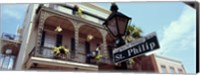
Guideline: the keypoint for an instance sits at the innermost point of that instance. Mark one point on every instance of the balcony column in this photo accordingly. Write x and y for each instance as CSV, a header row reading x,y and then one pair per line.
x,y
104,49
43,17
77,25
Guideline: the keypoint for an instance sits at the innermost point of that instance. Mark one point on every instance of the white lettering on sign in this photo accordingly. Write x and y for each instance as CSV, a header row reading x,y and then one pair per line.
x,y
141,48
152,45
119,56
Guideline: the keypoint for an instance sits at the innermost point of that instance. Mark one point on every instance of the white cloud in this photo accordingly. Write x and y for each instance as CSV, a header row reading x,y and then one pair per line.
x,y
12,14
180,34
13,10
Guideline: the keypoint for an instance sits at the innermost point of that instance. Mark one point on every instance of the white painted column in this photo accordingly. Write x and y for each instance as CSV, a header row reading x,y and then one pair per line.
x,y
76,26
25,36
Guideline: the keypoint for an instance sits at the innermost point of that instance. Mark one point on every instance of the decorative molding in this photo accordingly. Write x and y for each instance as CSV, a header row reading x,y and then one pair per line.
x,y
43,16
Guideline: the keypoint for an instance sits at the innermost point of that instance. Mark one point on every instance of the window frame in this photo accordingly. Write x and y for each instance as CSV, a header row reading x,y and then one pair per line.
x,y
49,37
163,67
7,62
172,69
180,70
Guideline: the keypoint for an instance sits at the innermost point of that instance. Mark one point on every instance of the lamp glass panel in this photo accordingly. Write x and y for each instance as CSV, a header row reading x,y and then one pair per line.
x,y
122,23
112,26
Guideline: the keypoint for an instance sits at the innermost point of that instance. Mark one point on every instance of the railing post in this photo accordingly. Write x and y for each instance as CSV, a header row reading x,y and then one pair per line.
x,y
76,37
105,50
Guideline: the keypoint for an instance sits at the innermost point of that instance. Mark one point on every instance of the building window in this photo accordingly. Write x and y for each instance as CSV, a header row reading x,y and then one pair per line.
x,y
73,52
110,51
180,71
53,6
6,62
164,70
50,40
87,51
172,70
81,53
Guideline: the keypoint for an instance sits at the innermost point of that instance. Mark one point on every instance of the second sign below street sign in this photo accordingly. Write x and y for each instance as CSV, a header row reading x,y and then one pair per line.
x,y
135,48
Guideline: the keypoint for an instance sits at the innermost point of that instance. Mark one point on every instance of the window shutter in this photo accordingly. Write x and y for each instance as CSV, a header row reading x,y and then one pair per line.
x,y
73,52
42,40
110,51
58,40
87,49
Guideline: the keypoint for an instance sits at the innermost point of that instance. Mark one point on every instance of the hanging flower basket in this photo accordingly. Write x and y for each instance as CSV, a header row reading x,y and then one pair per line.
x,y
60,52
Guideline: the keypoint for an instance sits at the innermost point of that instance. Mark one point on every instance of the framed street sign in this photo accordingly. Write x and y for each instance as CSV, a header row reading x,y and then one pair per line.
x,y
135,48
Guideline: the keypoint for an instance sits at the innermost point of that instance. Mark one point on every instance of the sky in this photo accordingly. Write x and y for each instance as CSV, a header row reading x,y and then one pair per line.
x,y
174,23
12,15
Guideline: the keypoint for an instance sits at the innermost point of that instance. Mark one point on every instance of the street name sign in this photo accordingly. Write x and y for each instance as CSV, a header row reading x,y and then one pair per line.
x,y
136,47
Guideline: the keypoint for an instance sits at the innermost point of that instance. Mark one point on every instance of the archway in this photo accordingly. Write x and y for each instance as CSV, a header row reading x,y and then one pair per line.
x,y
52,38
9,56
89,38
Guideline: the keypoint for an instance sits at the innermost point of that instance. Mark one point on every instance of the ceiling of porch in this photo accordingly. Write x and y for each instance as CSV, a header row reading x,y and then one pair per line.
x,y
56,21
88,29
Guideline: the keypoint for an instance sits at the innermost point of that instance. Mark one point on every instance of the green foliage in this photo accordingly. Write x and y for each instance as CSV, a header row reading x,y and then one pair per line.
x,y
134,31
57,50
132,34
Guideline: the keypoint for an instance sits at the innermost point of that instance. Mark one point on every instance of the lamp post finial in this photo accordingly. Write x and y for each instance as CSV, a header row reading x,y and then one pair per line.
x,y
114,7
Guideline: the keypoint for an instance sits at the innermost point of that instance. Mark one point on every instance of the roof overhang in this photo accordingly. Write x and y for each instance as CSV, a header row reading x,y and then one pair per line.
x,y
61,63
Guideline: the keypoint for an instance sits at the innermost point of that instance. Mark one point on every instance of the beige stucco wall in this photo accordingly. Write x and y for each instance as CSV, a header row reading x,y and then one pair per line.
x,y
32,41
169,63
26,34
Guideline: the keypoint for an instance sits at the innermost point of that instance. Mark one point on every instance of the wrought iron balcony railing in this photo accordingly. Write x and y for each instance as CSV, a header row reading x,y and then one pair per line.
x,y
64,8
46,52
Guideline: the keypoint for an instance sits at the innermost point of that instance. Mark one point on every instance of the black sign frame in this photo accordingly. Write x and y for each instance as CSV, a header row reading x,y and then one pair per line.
x,y
136,48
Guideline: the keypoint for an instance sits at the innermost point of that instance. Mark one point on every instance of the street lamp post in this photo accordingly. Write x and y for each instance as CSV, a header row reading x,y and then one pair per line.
x,y
117,25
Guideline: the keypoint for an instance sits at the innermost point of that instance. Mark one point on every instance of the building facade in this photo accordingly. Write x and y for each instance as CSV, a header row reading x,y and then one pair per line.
x,y
157,64
47,26
39,37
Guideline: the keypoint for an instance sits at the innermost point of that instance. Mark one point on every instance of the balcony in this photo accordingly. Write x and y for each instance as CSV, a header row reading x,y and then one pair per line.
x,y
77,60
10,37
85,14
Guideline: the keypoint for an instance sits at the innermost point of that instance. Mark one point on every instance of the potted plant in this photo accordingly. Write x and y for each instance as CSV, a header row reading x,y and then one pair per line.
x,y
98,57
60,52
